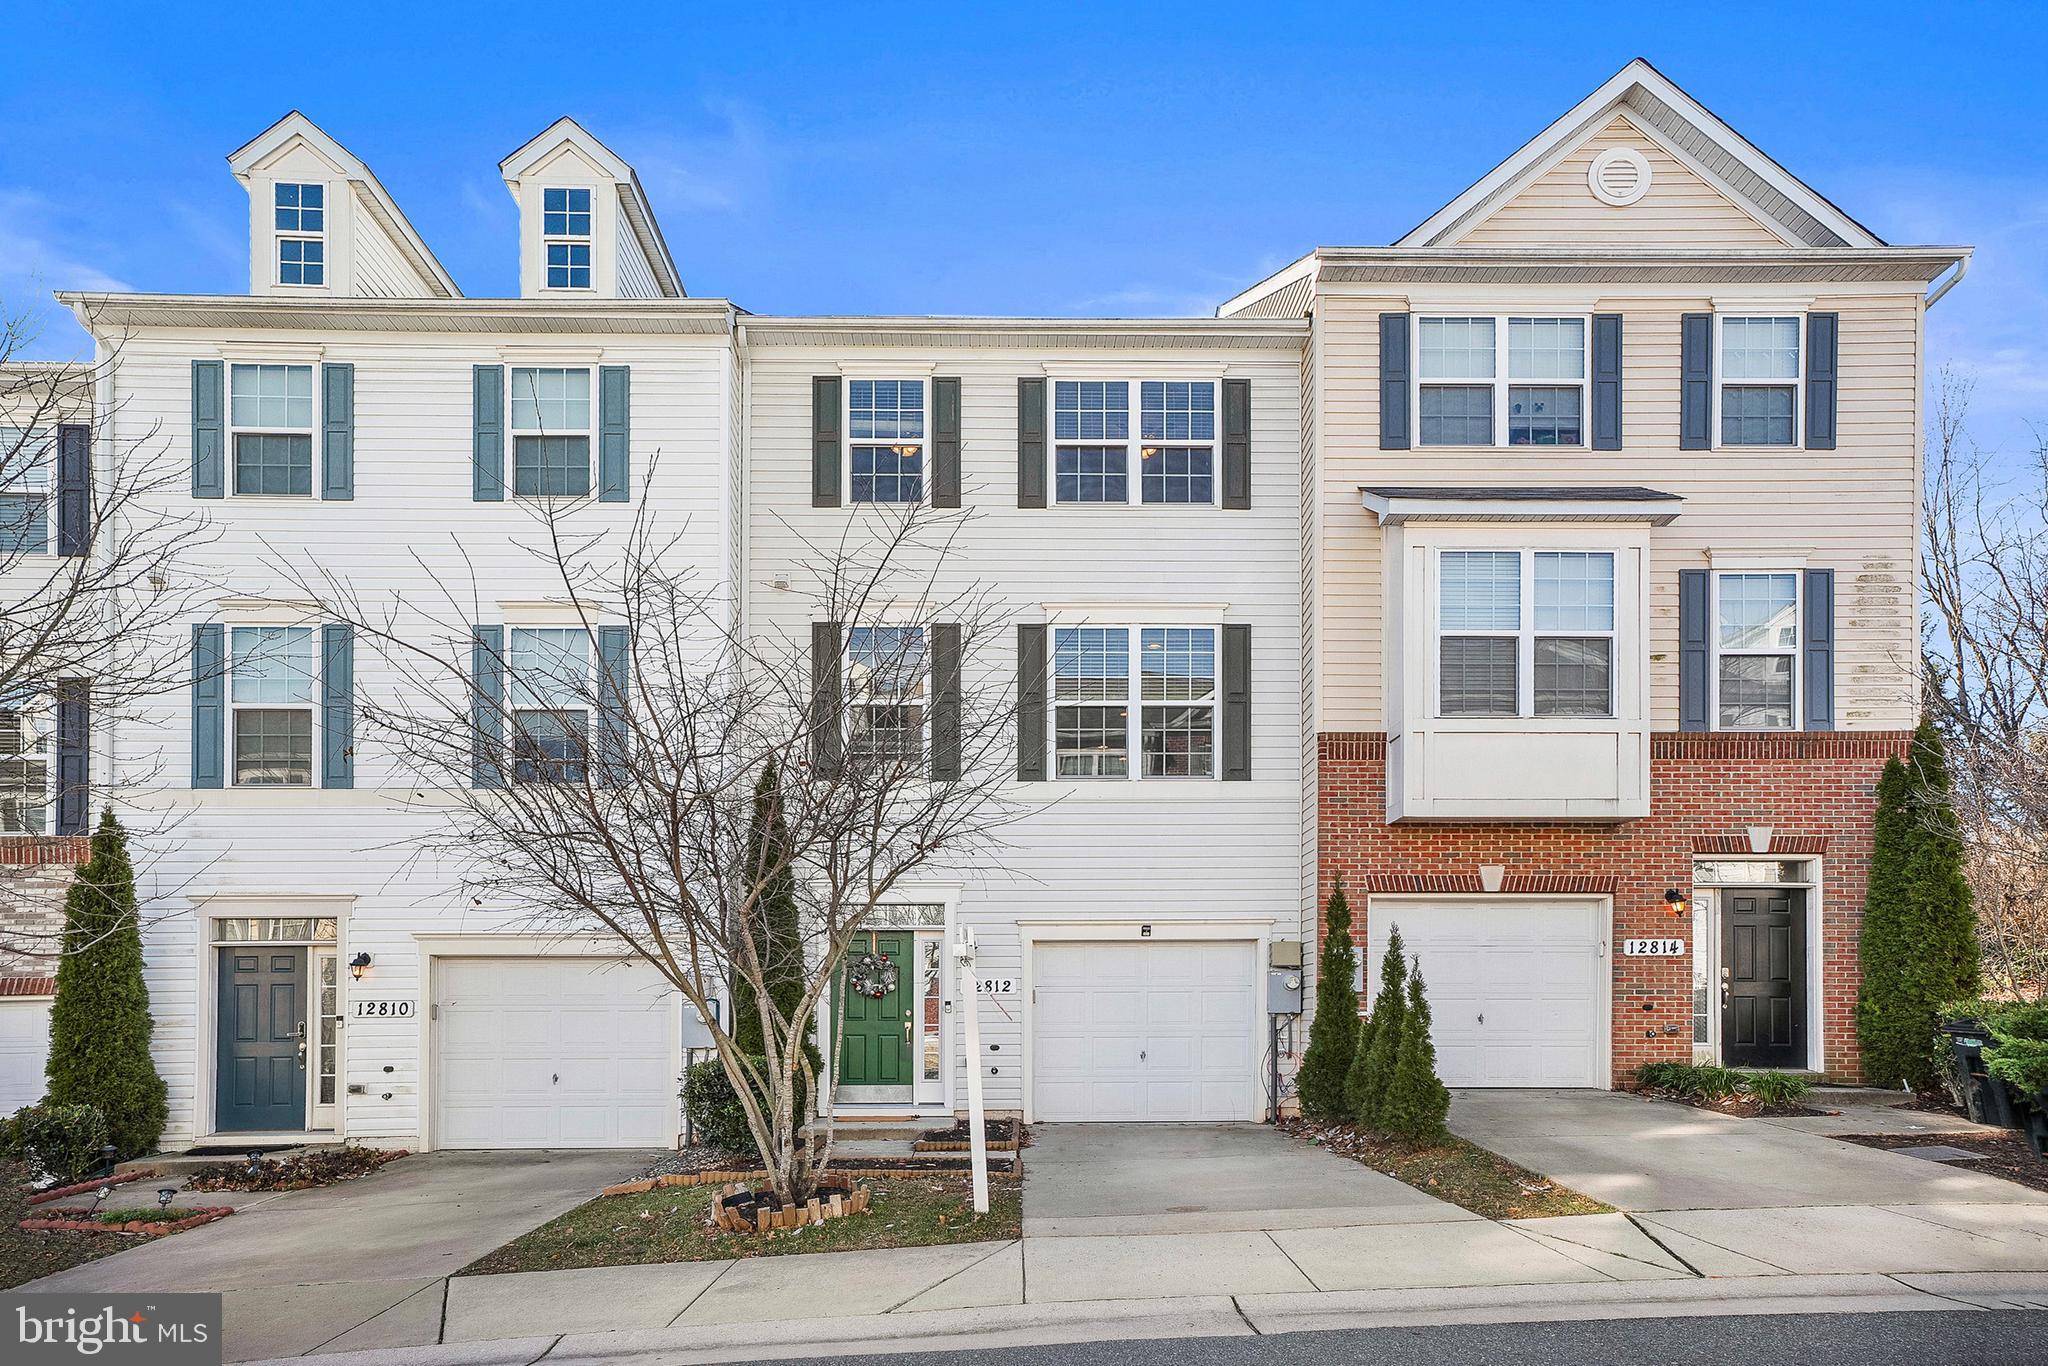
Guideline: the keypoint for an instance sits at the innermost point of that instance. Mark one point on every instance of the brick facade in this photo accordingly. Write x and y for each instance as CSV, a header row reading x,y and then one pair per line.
x,y
34,876
1816,789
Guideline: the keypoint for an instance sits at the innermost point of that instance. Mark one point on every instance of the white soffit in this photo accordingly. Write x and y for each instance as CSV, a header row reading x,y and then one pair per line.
x,y
1399,505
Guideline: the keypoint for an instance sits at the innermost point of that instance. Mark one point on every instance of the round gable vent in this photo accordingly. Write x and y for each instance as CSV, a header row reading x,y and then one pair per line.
x,y
1619,176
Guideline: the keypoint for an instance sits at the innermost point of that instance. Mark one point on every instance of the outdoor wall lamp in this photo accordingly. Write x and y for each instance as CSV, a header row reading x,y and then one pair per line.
x,y
359,965
1674,902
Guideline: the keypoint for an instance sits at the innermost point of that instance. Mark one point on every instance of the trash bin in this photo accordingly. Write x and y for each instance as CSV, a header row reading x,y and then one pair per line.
x,y
1985,1097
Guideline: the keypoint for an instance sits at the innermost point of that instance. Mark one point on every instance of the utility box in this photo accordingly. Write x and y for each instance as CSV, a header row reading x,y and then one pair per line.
x,y
1283,991
1286,953
697,1034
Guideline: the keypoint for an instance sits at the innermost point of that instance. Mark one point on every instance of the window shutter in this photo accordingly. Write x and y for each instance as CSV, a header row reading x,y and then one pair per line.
x,y
1393,381
74,730
1606,381
488,432
1695,381
828,729
1823,347
209,431
338,432
945,443
825,446
337,705
1031,703
1819,649
614,677
74,489
1237,443
487,705
945,701
1692,649
614,434
1237,703
1030,443
209,704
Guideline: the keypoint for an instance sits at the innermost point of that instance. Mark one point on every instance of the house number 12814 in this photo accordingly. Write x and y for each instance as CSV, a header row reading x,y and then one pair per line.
x,y
1653,948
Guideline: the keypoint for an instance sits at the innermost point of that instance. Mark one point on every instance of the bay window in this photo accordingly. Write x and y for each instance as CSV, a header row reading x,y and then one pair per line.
x,y
1165,710
1459,365
1525,633
1756,651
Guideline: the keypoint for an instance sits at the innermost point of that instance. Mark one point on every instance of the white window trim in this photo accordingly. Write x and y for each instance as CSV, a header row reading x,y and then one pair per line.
x,y
1525,637
1714,651
1134,702
922,377
548,239
279,236
39,720
1501,382
513,433
234,708
311,431
1134,444
1798,381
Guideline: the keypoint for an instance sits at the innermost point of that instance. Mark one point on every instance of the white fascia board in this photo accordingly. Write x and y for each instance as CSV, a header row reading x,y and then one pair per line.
x,y
1399,511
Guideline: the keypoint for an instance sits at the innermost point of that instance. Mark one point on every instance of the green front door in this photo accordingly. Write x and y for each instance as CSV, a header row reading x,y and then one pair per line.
x,y
874,1035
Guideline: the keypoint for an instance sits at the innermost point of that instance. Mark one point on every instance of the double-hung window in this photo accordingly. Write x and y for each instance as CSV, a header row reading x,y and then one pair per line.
x,y
1171,696
1756,645
886,680
301,217
270,410
1459,366
550,692
550,432
25,768
25,458
1176,442
271,673
1525,633
885,434
1759,381
565,237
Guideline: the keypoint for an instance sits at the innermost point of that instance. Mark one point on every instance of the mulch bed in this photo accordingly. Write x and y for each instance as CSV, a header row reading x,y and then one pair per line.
x,y
322,1167
1000,1135
117,1179
739,1210
153,1223
1462,1173
1741,1107
2005,1153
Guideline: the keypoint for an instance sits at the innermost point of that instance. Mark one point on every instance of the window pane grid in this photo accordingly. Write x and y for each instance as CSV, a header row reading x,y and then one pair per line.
x,y
1091,474
1180,742
1092,742
301,261
1091,664
1547,348
550,667
1574,677
1179,664
550,746
1092,410
271,397
1173,410
273,463
1457,414
888,474
551,466
1178,474
271,665
886,410
1756,415
1758,611
1544,415
301,207
1574,590
886,678
1480,590
273,747
550,400
1760,348
1479,675
24,772
1455,348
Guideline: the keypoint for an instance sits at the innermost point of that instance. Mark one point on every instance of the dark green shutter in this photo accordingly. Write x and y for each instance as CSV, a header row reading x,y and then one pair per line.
x,y
337,705
945,443
825,444
614,433
74,489
1237,703
338,432
1031,443
945,701
1818,647
74,730
1823,344
614,677
487,419
209,431
209,704
828,726
1031,703
1606,381
1237,443
1693,652
487,706
1695,382
1394,381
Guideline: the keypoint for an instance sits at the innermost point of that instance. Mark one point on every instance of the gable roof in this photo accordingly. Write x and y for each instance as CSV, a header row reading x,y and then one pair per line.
x,y
1686,129
633,202
376,200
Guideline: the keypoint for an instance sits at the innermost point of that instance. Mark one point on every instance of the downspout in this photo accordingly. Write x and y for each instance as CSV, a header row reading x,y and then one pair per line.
x,y
1962,269
743,479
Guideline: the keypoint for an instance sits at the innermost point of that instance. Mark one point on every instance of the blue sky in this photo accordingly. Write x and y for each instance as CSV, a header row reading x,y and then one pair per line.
x,y
1043,159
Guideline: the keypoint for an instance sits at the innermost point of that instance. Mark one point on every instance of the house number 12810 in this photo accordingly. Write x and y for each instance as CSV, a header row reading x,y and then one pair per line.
x,y
385,1009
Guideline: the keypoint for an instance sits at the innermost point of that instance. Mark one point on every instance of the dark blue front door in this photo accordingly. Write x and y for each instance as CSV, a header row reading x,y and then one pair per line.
x,y
260,1083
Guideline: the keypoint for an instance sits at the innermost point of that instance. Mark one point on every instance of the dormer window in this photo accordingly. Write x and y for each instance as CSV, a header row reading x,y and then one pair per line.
x,y
301,233
565,230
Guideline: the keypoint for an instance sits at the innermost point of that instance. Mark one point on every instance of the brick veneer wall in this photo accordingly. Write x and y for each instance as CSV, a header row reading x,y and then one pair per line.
x,y
35,873
1816,789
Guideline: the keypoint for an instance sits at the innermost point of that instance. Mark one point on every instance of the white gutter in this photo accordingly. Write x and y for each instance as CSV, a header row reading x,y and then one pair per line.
x,y
1962,269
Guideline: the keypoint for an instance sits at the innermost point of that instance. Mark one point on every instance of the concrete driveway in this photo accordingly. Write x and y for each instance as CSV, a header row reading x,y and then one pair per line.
x,y
1640,1155
363,1263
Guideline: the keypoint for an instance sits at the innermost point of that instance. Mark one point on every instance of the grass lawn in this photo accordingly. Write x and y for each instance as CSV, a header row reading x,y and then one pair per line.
x,y
1468,1176
24,1255
671,1225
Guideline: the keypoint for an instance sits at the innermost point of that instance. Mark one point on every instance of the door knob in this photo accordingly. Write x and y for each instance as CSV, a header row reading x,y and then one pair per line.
x,y
1482,1018
301,1049
906,1029
1141,1055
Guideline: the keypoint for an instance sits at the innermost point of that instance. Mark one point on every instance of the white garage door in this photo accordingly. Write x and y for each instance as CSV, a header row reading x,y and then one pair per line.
x,y
1514,987
553,1053
24,1049
1159,1031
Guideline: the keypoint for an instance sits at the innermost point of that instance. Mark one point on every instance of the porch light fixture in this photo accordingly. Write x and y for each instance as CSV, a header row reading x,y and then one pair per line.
x,y
359,965
1675,902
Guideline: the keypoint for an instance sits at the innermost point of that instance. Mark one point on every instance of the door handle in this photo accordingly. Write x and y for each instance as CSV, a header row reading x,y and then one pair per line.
x,y
1141,1055
906,1029
301,1050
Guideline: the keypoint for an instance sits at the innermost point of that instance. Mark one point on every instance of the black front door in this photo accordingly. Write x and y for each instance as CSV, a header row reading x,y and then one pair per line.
x,y
1763,977
260,1083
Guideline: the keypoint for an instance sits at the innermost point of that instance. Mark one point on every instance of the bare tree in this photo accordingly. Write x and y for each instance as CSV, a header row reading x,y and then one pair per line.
x,y
1985,577
605,784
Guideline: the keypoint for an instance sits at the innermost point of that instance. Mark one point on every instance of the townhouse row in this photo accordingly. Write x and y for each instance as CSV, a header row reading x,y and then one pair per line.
x,y
1547,576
